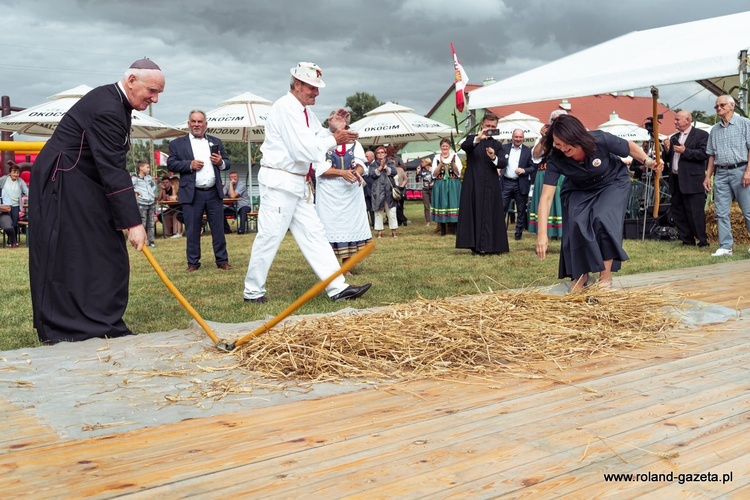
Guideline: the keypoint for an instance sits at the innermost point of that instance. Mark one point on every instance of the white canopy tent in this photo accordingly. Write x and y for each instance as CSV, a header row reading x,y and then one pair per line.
x,y
636,60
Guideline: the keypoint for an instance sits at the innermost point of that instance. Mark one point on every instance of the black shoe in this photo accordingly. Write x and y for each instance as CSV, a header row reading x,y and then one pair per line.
x,y
351,292
688,243
703,245
518,237
259,300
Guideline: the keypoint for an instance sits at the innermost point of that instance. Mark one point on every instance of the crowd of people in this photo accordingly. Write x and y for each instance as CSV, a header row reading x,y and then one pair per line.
x,y
320,184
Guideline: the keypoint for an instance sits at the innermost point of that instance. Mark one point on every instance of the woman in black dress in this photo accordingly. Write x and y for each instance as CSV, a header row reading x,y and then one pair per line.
x,y
594,198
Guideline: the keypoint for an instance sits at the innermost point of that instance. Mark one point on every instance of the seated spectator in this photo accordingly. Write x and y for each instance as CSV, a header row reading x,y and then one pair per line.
x,y
171,224
12,190
235,188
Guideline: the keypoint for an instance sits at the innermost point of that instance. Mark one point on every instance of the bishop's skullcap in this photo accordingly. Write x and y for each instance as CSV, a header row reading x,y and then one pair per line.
x,y
145,63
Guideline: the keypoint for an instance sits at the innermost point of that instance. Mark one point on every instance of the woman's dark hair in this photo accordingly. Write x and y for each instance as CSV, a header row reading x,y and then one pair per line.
x,y
446,141
570,130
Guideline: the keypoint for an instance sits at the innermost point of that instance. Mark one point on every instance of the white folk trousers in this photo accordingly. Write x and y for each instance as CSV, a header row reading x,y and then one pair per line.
x,y
281,211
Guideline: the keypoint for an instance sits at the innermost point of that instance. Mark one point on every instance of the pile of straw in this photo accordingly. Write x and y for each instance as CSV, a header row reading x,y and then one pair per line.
x,y
739,228
482,333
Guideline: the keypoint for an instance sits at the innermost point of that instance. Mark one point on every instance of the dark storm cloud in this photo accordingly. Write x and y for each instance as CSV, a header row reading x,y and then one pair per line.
x,y
395,49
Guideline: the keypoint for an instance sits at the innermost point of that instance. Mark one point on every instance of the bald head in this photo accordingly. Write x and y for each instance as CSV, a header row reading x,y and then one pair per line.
x,y
683,120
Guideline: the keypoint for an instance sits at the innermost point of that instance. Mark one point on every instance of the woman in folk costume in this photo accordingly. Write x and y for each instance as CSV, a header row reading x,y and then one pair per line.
x,y
446,191
340,200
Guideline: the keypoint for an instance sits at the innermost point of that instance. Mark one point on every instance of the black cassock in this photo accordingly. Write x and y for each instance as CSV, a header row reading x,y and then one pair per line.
x,y
481,221
80,199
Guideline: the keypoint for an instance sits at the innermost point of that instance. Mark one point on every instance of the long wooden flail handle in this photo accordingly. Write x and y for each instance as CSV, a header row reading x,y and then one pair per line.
x,y
182,300
302,300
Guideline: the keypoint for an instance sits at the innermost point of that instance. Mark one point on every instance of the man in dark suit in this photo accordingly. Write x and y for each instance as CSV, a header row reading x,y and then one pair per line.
x,y
686,153
516,178
198,158
81,199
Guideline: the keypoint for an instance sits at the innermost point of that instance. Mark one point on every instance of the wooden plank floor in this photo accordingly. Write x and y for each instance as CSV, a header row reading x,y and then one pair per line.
x,y
548,434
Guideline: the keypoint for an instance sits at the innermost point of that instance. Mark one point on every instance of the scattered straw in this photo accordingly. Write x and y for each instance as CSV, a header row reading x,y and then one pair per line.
x,y
430,338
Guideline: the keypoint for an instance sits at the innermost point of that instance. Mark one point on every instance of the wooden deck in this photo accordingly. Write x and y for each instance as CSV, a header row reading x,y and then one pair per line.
x,y
550,434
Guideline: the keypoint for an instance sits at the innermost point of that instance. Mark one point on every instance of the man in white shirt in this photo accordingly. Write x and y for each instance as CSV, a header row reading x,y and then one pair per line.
x,y
294,142
198,158
516,179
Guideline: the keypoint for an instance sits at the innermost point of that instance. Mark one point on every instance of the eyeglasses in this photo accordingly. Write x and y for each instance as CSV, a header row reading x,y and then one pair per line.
x,y
721,105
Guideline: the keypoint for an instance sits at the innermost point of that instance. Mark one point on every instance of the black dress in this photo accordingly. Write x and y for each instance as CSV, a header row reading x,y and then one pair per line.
x,y
594,199
81,198
481,221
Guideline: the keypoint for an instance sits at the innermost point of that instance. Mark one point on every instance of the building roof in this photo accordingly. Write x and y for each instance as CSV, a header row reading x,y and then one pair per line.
x,y
595,110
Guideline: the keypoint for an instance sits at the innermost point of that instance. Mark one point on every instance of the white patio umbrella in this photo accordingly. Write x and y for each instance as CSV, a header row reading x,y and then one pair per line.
x,y
42,120
239,119
625,129
395,124
530,125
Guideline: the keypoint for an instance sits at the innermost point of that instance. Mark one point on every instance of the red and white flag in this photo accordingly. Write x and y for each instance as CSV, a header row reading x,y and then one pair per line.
x,y
461,80
160,159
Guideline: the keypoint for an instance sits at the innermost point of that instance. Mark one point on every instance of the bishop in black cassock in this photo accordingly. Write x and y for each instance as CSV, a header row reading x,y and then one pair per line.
x,y
81,199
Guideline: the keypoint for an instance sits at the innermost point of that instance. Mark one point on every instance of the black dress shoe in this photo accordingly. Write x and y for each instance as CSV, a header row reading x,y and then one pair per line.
x,y
688,243
518,237
703,245
259,300
351,292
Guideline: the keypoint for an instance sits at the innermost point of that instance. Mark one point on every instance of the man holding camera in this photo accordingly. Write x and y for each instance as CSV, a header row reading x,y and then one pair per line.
x,y
198,158
481,220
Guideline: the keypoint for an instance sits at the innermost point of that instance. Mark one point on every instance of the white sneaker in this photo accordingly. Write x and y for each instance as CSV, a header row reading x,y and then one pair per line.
x,y
721,252
176,235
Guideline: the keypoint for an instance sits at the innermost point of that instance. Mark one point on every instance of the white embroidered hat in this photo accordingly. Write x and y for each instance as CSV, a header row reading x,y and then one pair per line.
x,y
309,73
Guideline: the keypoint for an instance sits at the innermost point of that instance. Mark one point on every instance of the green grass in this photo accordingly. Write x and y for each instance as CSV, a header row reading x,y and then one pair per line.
x,y
417,263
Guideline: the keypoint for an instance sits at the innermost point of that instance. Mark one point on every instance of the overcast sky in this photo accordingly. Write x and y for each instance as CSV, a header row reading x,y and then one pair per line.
x,y
397,50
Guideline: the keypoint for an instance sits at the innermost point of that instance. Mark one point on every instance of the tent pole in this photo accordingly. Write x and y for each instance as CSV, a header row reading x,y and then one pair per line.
x,y
742,91
657,149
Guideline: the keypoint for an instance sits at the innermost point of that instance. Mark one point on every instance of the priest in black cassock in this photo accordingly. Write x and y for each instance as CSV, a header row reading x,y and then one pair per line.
x,y
81,200
481,220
